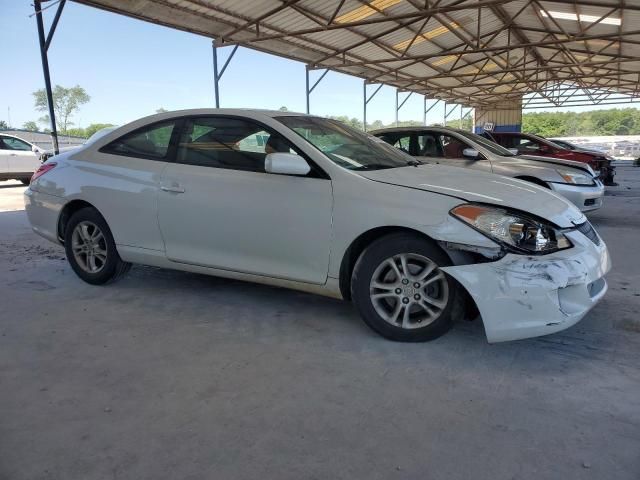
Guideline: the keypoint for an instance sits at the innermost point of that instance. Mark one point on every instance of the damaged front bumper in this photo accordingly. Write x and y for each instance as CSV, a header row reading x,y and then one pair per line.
x,y
523,296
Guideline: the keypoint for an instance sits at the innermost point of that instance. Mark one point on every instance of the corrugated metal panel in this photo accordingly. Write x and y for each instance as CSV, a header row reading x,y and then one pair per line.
x,y
438,52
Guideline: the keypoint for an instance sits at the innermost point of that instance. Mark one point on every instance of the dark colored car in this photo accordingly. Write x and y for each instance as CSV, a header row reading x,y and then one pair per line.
x,y
528,144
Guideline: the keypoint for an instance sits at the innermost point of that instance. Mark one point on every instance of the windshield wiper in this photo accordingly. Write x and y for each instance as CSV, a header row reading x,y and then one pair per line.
x,y
375,166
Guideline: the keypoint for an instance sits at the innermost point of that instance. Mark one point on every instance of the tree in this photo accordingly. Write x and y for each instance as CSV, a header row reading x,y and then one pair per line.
x,y
94,127
352,122
161,110
3,125
66,102
283,109
31,126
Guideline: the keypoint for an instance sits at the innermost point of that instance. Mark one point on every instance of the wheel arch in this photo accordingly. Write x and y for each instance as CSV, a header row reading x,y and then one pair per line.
x,y
67,211
355,249
534,180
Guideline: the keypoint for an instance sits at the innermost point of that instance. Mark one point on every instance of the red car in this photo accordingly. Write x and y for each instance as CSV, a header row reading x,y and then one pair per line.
x,y
528,144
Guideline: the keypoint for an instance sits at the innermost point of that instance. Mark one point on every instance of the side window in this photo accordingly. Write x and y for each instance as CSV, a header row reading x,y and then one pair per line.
x,y
428,145
228,143
452,147
403,142
523,143
15,144
151,142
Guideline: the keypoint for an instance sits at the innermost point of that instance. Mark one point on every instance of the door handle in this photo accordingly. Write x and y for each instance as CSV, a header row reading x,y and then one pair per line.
x,y
13,154
172,189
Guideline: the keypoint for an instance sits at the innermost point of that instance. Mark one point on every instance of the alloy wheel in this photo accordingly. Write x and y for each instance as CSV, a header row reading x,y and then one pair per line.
x,y
409,291
89,247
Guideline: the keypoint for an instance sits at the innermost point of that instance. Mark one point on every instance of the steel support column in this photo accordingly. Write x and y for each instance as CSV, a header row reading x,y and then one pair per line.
x,y
309,90
398,107
365,101
427,110
44,43
217,76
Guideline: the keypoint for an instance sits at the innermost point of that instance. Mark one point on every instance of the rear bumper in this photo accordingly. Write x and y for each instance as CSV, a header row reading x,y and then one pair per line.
x,y
586,198
528,296
43,212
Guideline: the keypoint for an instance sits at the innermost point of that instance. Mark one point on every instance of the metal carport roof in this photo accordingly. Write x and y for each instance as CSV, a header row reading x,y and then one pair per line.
x,y
473,52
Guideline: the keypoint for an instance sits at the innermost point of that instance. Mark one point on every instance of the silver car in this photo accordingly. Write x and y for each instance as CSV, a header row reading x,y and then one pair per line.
x,y
438,145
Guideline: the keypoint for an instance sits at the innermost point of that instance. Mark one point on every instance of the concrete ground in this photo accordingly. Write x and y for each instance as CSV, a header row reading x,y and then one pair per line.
x,y
168,375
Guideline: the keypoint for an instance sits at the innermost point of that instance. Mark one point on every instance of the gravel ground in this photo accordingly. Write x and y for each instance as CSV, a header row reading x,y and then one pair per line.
x,y
168,375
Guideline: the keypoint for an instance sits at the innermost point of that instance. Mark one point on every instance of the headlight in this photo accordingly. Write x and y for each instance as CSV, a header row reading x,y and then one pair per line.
x,y
522,234
575,178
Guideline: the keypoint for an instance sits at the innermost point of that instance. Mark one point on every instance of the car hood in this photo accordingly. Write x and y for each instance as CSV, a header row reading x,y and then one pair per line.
x,y
532,159
473,186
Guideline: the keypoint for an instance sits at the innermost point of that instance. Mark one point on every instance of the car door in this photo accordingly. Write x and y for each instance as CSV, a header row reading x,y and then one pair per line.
x,y
442,148
122,180
4,156
219,208
21,158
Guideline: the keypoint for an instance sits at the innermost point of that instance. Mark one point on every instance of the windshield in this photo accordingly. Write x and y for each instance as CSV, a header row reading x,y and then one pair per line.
x,y
486,143
346,146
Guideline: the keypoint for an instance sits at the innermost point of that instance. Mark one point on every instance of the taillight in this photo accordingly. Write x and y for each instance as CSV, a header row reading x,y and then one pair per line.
x,y
44,168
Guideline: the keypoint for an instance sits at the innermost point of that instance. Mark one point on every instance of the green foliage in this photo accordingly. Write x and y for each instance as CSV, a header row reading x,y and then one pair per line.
x,y
466,124
30,125
94,127
283,109
161,110
3,125
66,102
615,121
87,132
352,122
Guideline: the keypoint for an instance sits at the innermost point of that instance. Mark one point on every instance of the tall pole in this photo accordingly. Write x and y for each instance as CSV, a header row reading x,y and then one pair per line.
x,y
424,112
364,105
306,90
45,70
215,73
396,107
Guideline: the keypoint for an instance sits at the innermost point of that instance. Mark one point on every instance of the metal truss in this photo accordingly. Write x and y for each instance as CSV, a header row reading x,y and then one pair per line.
x,y
471,52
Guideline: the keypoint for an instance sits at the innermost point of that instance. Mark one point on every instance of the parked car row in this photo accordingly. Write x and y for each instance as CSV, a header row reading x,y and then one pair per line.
x,y
445,146
528,144
308,203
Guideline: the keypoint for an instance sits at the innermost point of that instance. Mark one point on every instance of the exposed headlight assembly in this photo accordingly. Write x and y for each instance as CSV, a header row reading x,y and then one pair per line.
x,y
575,178
513,230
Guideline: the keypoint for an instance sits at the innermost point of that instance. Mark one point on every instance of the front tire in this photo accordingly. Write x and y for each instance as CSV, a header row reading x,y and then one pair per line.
x,y
90,248
25,180
401,293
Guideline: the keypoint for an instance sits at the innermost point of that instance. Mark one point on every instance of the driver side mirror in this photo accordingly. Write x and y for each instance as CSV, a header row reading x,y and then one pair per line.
x,y
471,153
286,164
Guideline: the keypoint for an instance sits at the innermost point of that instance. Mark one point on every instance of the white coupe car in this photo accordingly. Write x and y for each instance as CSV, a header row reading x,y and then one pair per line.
x,y
309,203
18,158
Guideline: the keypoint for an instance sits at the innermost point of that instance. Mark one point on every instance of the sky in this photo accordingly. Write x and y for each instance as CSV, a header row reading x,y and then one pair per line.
x,y
132,68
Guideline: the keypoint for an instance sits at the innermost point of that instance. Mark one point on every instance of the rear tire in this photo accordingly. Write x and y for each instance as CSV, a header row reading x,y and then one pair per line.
x,y
91,250
401,293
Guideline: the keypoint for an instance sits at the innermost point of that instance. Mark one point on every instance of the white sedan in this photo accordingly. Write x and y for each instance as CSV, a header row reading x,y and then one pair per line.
x,y
309,203
18,158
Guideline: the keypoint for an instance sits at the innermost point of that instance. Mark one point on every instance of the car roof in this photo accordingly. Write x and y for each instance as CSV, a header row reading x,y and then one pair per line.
x,y
15,136
228,111
415,128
